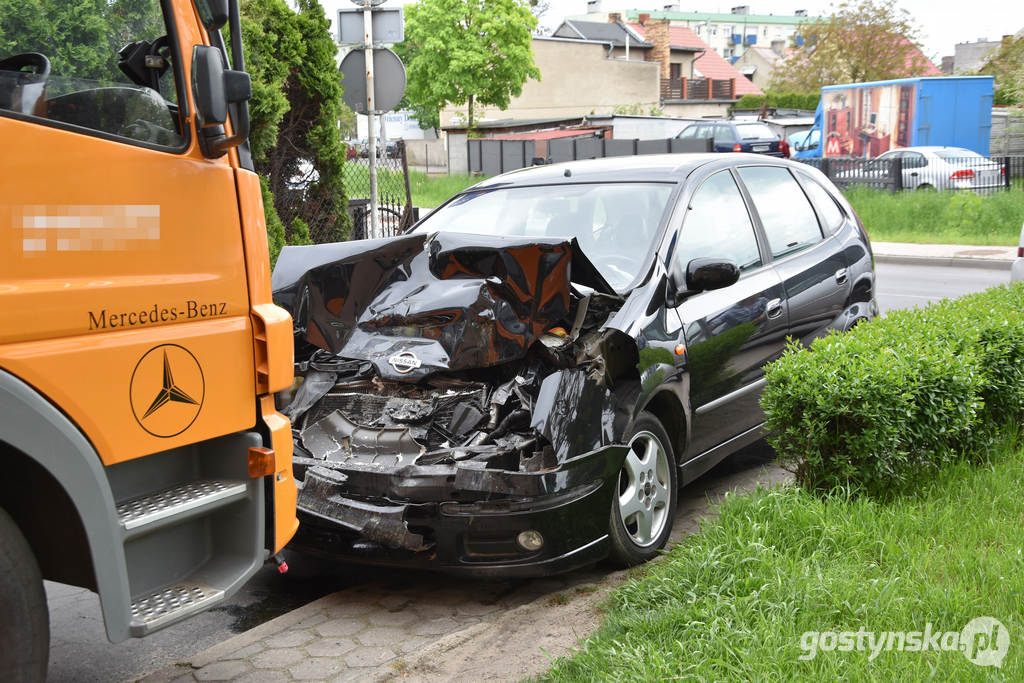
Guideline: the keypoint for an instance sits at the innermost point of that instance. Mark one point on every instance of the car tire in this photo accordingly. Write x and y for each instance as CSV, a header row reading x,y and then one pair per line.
x,y
925,187
24,619
643,502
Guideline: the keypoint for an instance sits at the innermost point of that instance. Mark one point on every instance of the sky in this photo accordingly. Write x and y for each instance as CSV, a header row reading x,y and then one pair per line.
x,y
942,23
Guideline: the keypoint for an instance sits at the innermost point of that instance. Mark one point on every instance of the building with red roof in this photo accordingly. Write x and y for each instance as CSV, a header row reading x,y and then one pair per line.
x,y
707,64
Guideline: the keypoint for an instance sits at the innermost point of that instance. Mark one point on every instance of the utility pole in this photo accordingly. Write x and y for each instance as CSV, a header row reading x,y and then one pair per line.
x,y
370,116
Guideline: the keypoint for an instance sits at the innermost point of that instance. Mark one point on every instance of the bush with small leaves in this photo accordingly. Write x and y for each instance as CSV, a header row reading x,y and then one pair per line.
x,y
879,409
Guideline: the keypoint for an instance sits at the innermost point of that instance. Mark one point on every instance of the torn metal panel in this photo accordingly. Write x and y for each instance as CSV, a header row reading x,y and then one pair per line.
x,y
418,304
574,412
384,524
337,438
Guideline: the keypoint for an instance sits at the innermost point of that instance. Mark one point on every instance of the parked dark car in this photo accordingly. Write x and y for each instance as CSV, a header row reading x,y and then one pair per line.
x,y
738,136
520,384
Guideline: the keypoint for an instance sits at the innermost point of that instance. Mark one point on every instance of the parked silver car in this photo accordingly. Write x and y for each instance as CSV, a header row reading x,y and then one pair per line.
x,y
946,168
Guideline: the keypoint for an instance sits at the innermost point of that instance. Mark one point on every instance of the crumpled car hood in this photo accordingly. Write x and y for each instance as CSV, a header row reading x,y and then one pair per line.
x,y
417,304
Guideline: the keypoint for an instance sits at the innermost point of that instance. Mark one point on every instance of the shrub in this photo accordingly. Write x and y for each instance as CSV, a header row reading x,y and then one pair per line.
x,y
790,100
879,409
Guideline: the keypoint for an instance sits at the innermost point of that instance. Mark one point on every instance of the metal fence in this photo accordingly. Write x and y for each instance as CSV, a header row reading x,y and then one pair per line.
x,y
492,157
932,171
394,197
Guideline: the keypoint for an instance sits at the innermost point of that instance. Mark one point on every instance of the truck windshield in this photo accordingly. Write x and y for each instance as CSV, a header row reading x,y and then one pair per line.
x,y
615,223
105,67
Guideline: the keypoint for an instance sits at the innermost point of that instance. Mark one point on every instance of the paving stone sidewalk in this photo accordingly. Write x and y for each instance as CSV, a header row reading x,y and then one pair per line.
x,y
378,631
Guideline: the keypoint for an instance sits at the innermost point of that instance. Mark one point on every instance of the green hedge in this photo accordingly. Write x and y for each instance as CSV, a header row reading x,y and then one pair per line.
x,y
789,100
880,408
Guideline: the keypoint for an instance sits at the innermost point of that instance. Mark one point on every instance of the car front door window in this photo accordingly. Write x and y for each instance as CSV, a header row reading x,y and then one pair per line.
x,y
718,225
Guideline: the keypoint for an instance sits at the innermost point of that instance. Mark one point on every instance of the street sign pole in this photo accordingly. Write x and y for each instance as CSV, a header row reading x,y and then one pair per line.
x,y
370,119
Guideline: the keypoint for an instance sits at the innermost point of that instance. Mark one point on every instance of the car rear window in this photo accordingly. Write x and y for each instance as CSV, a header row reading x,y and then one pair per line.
x,y
829,212
754,131
954,154
787,217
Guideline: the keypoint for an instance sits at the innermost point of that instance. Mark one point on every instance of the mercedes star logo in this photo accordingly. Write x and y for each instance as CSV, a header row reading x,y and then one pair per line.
x,y
167,390
405,362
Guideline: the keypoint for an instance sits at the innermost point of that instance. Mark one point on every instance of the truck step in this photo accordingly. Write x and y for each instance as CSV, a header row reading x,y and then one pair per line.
x,y
153,510
150,612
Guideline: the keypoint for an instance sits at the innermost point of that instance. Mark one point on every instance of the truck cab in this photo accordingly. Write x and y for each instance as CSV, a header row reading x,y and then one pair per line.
x,y
139,345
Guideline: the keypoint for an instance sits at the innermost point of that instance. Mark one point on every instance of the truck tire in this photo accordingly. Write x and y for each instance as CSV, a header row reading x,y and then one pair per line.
x,y
24,619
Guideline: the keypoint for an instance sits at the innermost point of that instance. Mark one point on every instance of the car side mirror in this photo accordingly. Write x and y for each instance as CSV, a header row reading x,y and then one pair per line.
x,y
706,274
702,275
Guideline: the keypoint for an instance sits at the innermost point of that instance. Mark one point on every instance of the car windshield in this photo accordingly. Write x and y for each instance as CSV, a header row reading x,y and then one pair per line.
x,y
955,154
754,131
615,223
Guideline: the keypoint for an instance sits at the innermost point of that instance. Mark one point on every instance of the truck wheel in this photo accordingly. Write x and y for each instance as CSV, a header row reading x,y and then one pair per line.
x,y
24,619
644,501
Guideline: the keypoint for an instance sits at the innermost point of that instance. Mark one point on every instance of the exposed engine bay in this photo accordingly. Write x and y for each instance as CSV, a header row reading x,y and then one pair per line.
x,y
438,371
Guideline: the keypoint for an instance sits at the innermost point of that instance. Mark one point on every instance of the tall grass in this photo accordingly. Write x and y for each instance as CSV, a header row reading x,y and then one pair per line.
x,y
734,601
432,191
940,217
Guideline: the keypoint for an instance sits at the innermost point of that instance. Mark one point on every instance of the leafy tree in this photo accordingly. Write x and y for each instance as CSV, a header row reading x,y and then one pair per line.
x,y
81,38
466,52
272,43
295,109
864,41
1007,65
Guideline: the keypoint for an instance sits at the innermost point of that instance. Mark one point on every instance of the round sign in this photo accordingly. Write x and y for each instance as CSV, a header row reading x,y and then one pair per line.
x,y
388,80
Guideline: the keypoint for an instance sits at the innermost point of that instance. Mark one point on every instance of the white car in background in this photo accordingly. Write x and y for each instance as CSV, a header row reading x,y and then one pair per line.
x,y
1017,270
947,168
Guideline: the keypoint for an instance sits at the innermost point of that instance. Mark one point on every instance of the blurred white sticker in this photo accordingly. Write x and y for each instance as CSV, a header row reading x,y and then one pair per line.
x,y
93,227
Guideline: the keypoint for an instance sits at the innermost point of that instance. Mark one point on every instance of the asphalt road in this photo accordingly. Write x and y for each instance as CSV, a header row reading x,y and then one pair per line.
x,y
79,649
907,286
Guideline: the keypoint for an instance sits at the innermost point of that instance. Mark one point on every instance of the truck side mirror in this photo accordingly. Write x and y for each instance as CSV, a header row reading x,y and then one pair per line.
x,y
213,13
214,87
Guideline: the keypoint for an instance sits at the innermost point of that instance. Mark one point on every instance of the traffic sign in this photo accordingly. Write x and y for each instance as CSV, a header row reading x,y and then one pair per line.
x,y
388,80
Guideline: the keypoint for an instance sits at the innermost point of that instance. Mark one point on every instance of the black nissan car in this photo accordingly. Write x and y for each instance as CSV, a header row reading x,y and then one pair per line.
x,y
521,383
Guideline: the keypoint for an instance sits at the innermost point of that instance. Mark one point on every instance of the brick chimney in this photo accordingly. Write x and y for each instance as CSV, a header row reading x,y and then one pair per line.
x,y
614,17
656,32
644,18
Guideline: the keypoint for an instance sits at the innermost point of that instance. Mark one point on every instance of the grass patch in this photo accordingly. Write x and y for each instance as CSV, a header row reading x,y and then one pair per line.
x,y
432,191
732,602
940,217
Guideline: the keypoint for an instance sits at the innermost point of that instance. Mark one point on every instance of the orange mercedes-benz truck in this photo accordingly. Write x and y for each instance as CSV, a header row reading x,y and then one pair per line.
x,y
141,453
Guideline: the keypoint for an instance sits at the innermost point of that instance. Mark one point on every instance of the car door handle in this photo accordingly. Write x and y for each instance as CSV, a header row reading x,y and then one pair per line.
x,y
773,309
841,276
913,174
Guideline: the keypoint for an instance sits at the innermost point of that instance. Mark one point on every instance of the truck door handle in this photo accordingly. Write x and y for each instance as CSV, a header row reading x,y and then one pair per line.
x,y
841,276
773,309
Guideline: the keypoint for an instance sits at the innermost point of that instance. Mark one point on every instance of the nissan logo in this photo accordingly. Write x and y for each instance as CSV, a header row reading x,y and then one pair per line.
x,y
405,362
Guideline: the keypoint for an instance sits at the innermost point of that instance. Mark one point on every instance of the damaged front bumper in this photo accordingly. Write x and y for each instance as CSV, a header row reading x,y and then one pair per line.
x,y
461,517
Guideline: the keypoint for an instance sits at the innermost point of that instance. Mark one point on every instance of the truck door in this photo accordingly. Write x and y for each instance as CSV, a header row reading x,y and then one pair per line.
x,y
123,294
